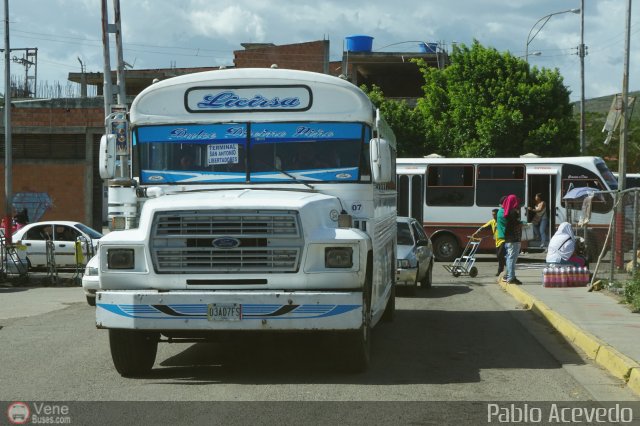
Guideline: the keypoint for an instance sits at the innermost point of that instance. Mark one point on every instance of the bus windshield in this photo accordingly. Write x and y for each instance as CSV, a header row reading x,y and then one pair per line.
x,y
606,174
275,152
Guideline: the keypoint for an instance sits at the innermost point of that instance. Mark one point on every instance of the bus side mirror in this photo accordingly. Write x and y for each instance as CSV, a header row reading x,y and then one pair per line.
x,y
380,153
107,158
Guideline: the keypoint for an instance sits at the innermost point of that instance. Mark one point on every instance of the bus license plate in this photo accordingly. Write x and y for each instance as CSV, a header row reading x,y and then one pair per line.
x,y
224,312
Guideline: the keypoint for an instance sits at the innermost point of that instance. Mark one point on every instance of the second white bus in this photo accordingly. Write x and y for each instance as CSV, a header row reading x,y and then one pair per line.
x,y
455,196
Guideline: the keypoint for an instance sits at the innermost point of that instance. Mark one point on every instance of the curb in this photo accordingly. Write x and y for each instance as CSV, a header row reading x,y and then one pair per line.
x,y
616,363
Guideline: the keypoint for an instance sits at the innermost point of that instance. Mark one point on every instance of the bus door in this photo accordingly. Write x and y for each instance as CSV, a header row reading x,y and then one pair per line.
x,y
543,179
411,191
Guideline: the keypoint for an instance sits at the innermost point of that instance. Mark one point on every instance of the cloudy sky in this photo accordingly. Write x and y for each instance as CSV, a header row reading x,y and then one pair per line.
x,y
185,33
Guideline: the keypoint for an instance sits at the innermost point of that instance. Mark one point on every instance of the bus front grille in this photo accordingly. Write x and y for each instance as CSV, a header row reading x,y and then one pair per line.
x,y
207,242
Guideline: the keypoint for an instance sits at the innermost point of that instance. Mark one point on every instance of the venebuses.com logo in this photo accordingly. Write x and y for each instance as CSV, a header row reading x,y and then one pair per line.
x,y
18,413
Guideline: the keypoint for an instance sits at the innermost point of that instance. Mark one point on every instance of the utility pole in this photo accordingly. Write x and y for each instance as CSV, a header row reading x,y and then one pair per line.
x,y
122,96
582,53
115,115
106,91
622,156
8,150
624,111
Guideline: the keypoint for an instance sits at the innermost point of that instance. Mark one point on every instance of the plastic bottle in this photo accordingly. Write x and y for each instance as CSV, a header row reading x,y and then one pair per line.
x,y
545,277
585,276
553,276
563,277
573,281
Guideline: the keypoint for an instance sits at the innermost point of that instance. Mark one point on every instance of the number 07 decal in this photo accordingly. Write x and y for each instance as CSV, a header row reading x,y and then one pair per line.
x,y
356,207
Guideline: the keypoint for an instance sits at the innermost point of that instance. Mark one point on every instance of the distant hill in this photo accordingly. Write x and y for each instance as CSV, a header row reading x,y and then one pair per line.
x,y
601,104
596,110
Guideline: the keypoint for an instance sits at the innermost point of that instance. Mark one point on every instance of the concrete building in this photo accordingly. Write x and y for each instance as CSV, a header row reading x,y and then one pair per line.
x,y
55,141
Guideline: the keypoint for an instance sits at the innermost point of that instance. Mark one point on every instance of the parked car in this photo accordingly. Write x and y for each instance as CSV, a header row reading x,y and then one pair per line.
x,y
64,235
414,255
91,281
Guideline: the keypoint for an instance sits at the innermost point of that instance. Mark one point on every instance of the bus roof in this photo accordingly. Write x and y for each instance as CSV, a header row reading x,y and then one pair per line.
x,y
285,95
499,160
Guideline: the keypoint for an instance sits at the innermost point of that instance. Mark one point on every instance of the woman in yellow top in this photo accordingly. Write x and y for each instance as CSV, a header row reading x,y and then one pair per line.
x,y
500,253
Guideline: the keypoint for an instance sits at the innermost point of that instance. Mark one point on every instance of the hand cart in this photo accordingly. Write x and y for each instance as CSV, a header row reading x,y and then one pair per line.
x,y
464,264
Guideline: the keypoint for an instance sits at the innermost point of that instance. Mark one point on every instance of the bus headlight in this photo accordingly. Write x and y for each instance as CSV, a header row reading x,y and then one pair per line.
x,y
338,257
120,258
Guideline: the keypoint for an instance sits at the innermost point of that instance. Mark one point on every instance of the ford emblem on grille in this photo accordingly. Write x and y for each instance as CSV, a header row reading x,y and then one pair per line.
x,y
225,243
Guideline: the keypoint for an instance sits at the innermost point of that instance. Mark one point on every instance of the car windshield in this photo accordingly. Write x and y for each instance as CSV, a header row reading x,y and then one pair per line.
x,y
404,234
95,235
274,152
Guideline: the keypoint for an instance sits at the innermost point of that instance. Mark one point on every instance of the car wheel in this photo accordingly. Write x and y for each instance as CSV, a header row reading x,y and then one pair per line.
x,y
133,352
91,300
428,277
446,248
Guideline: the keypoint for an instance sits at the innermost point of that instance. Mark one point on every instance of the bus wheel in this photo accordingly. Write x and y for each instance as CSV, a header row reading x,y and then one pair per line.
x,y
358,343
446,248
133,352
390,310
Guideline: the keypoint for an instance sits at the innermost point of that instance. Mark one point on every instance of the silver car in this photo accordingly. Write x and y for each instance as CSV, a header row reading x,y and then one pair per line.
x,y
414,255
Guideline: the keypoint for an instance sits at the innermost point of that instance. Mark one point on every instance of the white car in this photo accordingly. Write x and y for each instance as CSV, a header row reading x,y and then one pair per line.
x,y
90,280
63,235
414,255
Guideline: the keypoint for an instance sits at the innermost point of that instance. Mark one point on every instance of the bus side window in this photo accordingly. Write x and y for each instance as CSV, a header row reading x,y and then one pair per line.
x,y
450,185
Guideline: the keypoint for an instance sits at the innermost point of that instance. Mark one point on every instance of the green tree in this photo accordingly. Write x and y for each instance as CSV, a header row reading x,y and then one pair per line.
x,y
487,103
407,123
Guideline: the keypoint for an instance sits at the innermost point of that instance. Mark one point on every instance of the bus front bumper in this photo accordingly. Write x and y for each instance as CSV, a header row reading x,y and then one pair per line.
x,y
228,310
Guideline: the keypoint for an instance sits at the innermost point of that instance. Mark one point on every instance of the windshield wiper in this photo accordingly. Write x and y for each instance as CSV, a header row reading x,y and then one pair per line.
x,y
284,172
295,179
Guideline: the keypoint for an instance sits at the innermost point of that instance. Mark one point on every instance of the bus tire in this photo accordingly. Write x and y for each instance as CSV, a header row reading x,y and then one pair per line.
x,y
91,300
358,343
390,310
133,352
446,248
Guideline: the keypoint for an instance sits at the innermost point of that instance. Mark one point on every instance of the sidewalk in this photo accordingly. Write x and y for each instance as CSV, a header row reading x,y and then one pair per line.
x,y
605,330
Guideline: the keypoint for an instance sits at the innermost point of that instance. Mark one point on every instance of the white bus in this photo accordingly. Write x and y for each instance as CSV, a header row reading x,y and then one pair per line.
x,y
455,196
632,180
262,200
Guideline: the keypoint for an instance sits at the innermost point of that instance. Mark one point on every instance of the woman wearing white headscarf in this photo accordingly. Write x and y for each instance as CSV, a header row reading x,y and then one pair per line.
x,y
562,247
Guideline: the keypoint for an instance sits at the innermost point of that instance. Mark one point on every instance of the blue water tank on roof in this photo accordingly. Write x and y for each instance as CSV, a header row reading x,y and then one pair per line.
x,y
359,43
428,47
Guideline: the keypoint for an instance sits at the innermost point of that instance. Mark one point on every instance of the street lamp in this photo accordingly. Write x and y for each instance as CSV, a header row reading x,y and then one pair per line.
x,y
544,21
534,53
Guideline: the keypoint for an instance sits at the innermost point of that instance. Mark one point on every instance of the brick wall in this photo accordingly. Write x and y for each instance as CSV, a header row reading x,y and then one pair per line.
x,y
302,56
64,183
57,117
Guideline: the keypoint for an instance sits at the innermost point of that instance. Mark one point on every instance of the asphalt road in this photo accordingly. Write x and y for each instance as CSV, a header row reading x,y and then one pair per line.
x,y
463,340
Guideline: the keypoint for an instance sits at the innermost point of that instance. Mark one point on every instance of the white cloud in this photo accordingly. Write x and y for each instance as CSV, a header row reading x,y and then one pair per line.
x,y
229,23
204,32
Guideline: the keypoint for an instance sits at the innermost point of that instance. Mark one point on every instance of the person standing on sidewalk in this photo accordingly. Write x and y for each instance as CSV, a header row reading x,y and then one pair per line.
x,y
511,228
540,220
493,224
